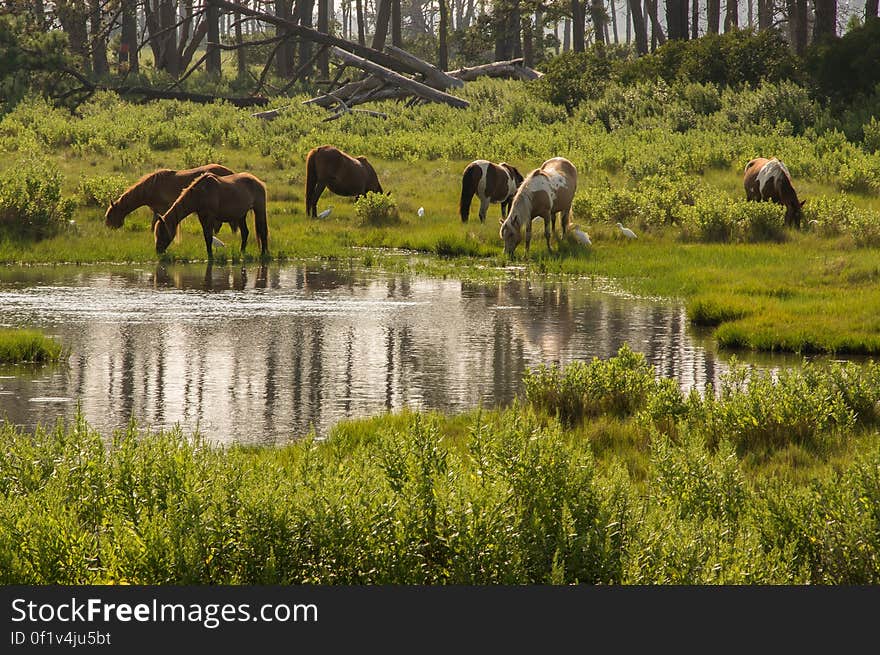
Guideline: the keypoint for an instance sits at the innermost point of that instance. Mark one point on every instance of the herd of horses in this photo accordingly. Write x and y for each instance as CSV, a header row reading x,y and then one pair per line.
x,y
217,195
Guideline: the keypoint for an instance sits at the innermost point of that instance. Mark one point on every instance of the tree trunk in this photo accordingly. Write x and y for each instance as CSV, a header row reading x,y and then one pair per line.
x,y
614,21
241,54
751,14
713,16
566,35
825,26
797,25
639,28
597,16
443,28
305,10
677,19
128,46
695,19
656,29
282,54
383,16
362,39
871,9
396,24
578,31
731,16
324,26
72,16
98,40
765,14
170,61
628,24
527,41
212,63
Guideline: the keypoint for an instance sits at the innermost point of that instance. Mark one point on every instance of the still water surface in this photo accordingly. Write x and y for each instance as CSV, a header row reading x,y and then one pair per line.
x,y
266,354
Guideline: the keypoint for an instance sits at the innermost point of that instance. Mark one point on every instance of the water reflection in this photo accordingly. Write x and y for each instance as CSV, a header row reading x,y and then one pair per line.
x,y
267,353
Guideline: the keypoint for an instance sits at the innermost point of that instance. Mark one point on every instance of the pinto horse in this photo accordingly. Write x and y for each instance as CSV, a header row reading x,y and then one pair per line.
x,y
545,192
158,191
331,168
490,183
217,200
769,179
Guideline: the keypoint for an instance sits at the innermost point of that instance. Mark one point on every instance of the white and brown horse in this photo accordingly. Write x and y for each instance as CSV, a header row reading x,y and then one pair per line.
x,y
490,183
545,192
769,179
158,191
216,200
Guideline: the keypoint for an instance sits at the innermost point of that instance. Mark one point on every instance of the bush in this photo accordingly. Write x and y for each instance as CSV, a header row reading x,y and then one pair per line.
x,y
617,386
100,190
31,206
376,209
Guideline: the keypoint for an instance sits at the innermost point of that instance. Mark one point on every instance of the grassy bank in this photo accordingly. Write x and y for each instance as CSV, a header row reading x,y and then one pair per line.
x,y
27,346
756,283
601,475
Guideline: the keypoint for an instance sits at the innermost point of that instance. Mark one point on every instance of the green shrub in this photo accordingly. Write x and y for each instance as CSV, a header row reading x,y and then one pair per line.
x,y
100,190
31,206
376,209
18,346
618,386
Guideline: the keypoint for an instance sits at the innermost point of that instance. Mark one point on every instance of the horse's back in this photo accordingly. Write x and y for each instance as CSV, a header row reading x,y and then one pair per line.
x,y
562,175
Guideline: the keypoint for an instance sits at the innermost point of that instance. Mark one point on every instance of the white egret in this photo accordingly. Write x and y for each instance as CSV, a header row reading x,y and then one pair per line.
x,y
326,212
628,233
217,243
421,212
581,236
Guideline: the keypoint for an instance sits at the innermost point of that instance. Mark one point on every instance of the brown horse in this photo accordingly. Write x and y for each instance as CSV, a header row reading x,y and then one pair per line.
x,y
769,179
490,183
545,192
158,191
329,167
217,200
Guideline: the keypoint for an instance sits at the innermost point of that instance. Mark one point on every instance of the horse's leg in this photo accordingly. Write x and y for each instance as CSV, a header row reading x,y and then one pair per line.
x,y
528,235
484,207
549,224
564,217
208,233
244,233
319,189
505,207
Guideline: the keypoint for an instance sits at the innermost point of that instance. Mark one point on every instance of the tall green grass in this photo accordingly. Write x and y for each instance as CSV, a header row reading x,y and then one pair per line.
x,y
19,346
511,496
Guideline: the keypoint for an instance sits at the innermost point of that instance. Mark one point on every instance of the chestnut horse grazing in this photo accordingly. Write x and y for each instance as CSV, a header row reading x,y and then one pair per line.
x,y
328,167
544,192
490,183
216,200
158,191
769,179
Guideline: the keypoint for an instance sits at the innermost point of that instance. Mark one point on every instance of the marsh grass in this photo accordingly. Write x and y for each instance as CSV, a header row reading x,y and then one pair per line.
x,y
28,346
758,484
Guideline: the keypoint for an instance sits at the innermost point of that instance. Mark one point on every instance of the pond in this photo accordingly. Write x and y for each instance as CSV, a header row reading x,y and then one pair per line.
x,y
264,354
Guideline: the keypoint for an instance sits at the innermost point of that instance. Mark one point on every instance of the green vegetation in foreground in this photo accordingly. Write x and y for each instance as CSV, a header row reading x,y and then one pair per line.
x,y
767,482
27,346
668,165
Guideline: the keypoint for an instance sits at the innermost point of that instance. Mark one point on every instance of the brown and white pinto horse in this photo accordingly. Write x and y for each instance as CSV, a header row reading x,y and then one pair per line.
x,y
331,168
490,183
769,179
157,190
217,200
545,192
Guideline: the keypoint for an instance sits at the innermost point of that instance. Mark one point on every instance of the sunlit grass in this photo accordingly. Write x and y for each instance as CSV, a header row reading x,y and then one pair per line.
x,y
27,346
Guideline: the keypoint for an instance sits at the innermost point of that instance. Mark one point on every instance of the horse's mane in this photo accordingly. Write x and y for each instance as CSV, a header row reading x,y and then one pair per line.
x,y
146,182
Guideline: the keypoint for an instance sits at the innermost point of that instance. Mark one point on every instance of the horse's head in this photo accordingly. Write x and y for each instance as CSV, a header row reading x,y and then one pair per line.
x,y
114,215
510,233
371,181
794,213
163,235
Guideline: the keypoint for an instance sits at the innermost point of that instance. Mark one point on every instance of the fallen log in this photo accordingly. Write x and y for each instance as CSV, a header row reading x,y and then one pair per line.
x,y
433,76
165,94
512,68
405,84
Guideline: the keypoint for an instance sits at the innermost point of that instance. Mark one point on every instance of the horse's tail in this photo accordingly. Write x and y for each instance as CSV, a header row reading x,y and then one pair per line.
x,y
469,182
311,180
261,223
